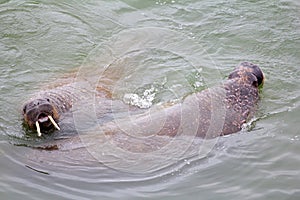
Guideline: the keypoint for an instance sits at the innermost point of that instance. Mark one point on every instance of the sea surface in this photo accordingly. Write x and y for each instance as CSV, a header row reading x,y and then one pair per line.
x,y
156,51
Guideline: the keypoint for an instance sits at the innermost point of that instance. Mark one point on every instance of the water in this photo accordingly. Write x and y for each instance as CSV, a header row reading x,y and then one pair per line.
x,y
40,41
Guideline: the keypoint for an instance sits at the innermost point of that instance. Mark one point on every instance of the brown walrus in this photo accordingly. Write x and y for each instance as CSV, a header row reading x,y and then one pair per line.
x,y
212,112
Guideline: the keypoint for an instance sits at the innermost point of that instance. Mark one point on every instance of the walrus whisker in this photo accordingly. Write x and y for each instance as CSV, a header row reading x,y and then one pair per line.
x,y
38,129
53,122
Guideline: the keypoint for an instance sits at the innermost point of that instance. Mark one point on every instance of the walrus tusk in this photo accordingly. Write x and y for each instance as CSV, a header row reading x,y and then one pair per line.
x,y
38,129
53,122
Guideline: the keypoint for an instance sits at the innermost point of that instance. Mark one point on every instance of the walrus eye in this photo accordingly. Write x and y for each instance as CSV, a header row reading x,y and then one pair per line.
x,y
48,100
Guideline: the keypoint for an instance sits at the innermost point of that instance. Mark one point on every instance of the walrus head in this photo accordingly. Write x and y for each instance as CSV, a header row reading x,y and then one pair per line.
x,y
41,115
248,72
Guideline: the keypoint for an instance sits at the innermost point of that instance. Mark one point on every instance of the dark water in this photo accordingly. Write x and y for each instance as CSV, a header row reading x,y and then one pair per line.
x,y
190,45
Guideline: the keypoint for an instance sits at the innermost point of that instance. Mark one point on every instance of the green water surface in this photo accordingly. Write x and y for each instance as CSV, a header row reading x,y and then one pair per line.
x,y
42,40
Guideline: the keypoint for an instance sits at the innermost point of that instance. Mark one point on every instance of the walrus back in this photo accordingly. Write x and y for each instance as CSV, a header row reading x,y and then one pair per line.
x,y
216,111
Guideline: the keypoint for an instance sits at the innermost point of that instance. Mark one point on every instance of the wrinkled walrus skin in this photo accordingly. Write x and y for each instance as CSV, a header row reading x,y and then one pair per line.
x,y
210,113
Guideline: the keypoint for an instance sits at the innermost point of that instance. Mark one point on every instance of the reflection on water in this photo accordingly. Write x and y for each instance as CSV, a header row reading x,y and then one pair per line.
x,y
42,41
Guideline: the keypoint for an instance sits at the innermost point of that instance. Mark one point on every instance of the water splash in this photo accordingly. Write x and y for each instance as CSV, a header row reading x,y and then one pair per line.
x,y
142,101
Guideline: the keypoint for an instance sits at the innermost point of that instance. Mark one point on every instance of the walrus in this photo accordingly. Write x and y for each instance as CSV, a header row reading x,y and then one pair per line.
x,y
226,107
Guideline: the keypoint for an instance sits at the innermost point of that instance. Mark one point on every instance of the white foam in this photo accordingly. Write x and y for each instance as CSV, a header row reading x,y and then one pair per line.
x,y
143,101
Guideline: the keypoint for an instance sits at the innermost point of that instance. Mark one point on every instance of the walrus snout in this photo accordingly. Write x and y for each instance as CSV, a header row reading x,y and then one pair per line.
x,y
41,115
250,72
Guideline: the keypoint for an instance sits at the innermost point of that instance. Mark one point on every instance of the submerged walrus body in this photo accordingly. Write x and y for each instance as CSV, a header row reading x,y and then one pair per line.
x,y
213,112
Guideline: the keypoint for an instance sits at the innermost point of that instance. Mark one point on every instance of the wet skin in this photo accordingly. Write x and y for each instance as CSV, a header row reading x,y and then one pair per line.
x,y
241,96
